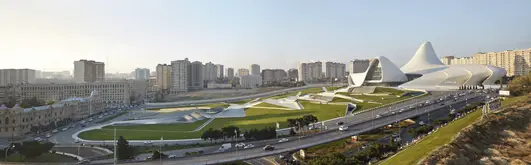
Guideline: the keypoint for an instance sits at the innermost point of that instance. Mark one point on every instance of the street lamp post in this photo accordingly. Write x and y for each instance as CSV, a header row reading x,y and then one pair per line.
x,y
9,147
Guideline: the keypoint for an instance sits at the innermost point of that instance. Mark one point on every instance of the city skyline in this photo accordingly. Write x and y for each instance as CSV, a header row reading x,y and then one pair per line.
x,y
272,34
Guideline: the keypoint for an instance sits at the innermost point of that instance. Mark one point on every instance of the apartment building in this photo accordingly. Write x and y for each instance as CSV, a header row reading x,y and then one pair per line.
x,y
17,76
195,75
113,93
273,75
17,121
293,74
310,71
334,70
515,62
219,71
209,71
179,76
230,73
142,73
163,77
88,71
243,72
358,66
255,69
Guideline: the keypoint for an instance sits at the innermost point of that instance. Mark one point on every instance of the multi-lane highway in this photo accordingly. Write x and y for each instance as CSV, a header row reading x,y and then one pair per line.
x,y
357,124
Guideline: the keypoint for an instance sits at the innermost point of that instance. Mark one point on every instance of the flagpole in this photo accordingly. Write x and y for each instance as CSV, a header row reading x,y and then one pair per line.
x,y
115,151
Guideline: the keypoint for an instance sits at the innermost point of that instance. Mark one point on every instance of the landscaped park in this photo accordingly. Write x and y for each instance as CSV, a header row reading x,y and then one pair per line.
x,y
259,113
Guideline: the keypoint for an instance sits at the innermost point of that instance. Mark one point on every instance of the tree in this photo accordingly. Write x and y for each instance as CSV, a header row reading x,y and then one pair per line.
x,y
207,135
520,85
125,151
33,149
230,131
33,102
157,155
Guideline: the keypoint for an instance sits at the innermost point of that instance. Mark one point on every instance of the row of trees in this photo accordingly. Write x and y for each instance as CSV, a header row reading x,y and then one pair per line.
x,y
260,134
303,122
26,103
230,132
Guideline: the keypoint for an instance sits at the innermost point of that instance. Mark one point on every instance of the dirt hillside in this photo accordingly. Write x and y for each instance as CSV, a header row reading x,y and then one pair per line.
x,y
500,139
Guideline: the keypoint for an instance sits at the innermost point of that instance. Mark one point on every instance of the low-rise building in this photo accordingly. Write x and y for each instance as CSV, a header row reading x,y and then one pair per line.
x,y
17,121
113,93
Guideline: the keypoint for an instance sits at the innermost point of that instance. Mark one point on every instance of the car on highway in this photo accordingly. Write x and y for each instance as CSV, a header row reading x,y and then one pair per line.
x,y
90,119
39,139
378,116
269,148
99,117
48,135
240,145
55,131
84,161
249,146
340,123
172,156
343,128
283,140
422,123
65,128
148,142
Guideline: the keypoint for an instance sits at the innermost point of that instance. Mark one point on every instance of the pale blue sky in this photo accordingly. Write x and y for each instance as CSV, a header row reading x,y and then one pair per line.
x,y
51,34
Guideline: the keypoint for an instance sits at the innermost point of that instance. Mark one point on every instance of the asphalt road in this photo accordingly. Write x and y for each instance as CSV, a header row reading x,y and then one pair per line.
x,y
357,124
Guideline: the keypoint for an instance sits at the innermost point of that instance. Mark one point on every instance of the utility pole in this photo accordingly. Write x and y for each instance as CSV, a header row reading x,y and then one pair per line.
x,y
115,151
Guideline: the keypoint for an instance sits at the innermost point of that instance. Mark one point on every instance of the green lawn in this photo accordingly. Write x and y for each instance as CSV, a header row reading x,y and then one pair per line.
x,y
443,136
340,100
264,104
303,92
142,132
333,88
255,118
311,90
388,90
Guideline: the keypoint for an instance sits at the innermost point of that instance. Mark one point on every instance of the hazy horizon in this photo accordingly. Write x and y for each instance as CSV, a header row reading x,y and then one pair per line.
x,y
51,35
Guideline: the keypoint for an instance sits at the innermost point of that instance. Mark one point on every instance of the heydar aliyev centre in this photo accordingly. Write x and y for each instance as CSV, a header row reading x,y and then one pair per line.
x,y
425,71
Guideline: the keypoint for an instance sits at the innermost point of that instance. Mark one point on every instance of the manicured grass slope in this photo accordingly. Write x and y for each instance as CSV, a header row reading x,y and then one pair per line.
x,y
256,118
141,132
264,104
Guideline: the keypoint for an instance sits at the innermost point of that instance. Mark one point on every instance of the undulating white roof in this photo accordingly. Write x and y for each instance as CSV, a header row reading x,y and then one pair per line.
x,y
424,59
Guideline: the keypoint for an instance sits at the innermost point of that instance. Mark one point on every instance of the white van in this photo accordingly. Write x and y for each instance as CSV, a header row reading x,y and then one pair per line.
x,y
225,146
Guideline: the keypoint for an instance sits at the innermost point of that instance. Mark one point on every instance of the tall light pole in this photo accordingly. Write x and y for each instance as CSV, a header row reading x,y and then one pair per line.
x,y
9,147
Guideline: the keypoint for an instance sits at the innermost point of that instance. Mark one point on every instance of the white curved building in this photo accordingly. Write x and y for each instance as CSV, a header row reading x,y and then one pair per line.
x,y
380,71
426,71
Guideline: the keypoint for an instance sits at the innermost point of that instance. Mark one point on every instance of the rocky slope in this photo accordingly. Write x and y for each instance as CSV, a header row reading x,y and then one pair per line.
x,y
499,139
